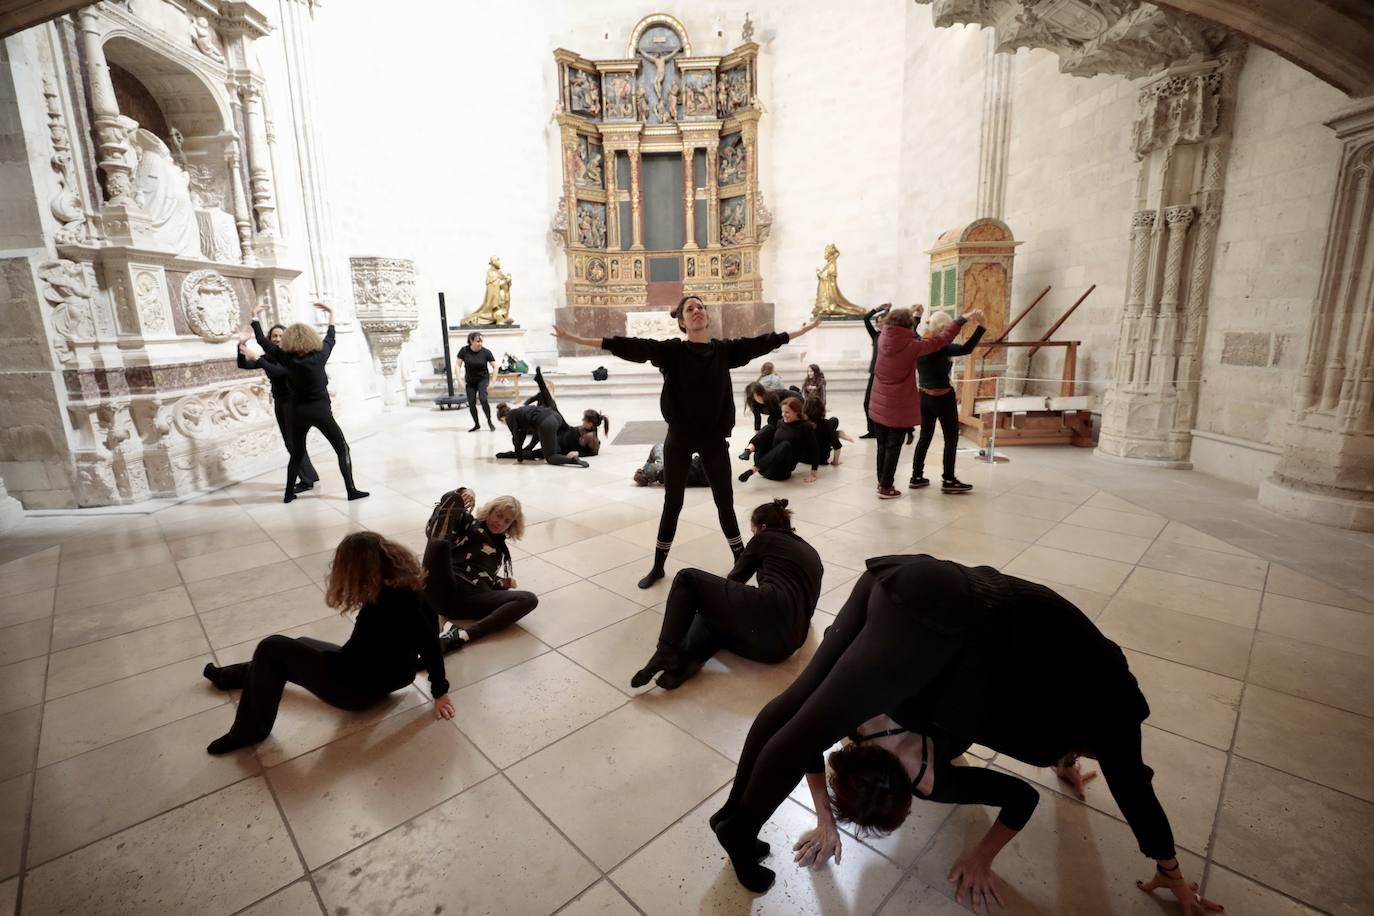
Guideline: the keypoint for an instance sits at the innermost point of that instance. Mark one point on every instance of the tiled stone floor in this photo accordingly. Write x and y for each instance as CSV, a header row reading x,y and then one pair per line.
x,y
559,789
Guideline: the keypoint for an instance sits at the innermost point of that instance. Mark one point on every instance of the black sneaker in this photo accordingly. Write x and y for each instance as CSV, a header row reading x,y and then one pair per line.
x,y
954,485
745,455
917,483
451,641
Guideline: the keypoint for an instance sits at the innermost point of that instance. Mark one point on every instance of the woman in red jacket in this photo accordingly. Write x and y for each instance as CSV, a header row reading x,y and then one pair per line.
x,y
895,406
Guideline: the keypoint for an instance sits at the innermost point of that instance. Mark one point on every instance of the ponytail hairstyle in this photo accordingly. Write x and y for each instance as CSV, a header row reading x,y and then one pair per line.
x,y
588,441
679,310
775,516
813,408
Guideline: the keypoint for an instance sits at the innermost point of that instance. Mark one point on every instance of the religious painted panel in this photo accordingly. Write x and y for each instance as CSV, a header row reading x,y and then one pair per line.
x,y
730,265
660,81
619,93
732,162
587,162
733,220
733,90
699,94
591,224
584,92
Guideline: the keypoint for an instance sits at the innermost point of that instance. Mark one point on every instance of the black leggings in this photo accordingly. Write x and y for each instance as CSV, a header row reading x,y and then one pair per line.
x,y
778,462
889,451
868,390
318,415
944,409
874,656
476,392
677,462
549,428
492,609
311,663
282,409
707,613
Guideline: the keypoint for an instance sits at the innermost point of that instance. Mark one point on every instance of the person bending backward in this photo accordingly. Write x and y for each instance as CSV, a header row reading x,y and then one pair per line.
x,y
381,580
761,402
468,565
895,407
542,425
954,655
698,405
281,396
573,441
476,361
779,447
939,404
303,355
706,613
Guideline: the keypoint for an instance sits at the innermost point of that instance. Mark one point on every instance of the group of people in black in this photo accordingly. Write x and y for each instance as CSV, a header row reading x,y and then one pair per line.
x,y
926,658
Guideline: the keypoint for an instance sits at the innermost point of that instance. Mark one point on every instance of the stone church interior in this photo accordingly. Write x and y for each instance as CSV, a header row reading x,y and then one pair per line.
x,y
591,342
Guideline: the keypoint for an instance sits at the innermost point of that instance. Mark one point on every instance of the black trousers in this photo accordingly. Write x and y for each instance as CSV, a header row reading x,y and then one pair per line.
x,y
778,462
476,392
283,411
279,660
868,390
316,414
944,409
490,609
677,462
889,451
706,613
757,410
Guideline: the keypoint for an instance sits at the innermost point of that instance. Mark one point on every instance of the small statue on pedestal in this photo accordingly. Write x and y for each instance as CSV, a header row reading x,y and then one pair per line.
x,y
495,307
830,302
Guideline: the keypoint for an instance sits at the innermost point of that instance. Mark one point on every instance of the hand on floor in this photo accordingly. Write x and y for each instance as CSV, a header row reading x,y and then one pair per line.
x,y
1193,903
1075,777
816,845
443,708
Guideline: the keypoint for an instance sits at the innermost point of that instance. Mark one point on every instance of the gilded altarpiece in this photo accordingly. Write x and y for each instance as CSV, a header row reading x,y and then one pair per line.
x,y
660,182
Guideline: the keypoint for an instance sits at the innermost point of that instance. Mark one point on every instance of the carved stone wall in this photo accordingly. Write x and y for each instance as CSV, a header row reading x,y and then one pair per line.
x,y
384,295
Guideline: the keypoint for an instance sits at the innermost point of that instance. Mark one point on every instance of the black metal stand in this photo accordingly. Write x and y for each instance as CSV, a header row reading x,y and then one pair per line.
x,y
450,399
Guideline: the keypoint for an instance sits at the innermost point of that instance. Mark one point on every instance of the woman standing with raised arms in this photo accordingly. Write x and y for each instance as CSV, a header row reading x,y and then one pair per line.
x,y
698,403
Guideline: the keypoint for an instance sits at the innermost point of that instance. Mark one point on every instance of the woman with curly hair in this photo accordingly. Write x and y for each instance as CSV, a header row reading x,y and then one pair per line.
x,y
468,565
379,579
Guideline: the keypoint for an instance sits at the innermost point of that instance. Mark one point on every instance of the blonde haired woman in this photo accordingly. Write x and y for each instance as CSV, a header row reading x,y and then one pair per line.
x,y
468,565
939,404
303,355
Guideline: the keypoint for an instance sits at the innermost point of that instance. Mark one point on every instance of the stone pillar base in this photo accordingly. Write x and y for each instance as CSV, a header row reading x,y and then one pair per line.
x,y
11,510
1167,463
1316,507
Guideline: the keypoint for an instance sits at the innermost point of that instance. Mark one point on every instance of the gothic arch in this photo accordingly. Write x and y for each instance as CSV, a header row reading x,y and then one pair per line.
x,y
187,98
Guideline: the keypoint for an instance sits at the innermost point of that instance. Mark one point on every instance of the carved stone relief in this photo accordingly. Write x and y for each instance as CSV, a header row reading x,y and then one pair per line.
x,y
149,299
657,325
210,304
66,205
68,287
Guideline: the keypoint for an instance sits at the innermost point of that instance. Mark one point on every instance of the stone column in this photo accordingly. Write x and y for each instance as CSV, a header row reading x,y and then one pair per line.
x,y
994,142
1177,220
750,144
384,292
111,128
1142,224
689,194
1326,472
259,166
636,214
612,202
712,195
242,218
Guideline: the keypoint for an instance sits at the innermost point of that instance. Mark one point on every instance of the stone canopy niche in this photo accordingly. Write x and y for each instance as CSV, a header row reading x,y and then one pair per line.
x,y
660,183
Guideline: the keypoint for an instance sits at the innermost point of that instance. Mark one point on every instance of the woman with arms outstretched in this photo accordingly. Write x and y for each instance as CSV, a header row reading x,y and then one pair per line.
x,y
281,396
955,655
698,403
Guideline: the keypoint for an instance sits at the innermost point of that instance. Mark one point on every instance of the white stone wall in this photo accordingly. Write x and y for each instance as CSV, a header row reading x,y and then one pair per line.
x,y
1279,185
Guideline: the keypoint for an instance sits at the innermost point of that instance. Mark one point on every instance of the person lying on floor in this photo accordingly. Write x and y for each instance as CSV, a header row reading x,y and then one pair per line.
x,y
581,441
955,655
767,623
651,474
381,580
468,569
540,421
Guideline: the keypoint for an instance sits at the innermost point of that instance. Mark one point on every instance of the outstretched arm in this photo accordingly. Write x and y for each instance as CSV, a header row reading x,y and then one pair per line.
x,y
968,346
804,329
328,345
584,341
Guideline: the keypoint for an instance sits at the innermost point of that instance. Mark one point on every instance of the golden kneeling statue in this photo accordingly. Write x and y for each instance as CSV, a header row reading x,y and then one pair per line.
x,y
495,307
830,302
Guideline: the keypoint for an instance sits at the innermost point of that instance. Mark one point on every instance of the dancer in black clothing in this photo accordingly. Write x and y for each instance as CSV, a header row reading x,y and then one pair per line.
x,y
780,447
955,654
468,565
476,376
542,425
698,404
829,438
281,397
303,355
939,404
872,362
379,579
762,402
706,613
652,472
574,441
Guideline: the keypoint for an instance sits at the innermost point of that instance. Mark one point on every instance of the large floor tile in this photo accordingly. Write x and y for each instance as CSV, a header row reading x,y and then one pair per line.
x,y
684,871
20,729
555,533
1305,840
262,616
1047,487
14,804
1241,895
602,900
575,610
1340,679
79,626
1121,522
1293,584
1068,861
721,702
992,520
1187,701
1092,573
1325,745
596,554
535,574
1109,545
1319,624
25,640
485,851
26,607
1215,600
21,684
238,534
96,663
298,542
972,548
512,714
1179,533
96,565
227,562
1248,572
1103,500
615,653
233,588
79,596
632,761
113,787
614,518
340,796
915,896
495,653
624,581
93,718
9,897
216,855
294,900
1019,504
1197,641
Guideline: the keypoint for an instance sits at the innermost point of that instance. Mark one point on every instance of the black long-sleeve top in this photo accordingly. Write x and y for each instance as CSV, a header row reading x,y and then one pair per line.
x,y
478,558
390,632
801,434
276,375
523,422
785,564
825,437
305,371
697,400
932,369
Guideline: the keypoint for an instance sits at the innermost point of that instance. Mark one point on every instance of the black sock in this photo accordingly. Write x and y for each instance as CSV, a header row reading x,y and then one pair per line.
x,y
744,478
226,744
660,557
751,875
